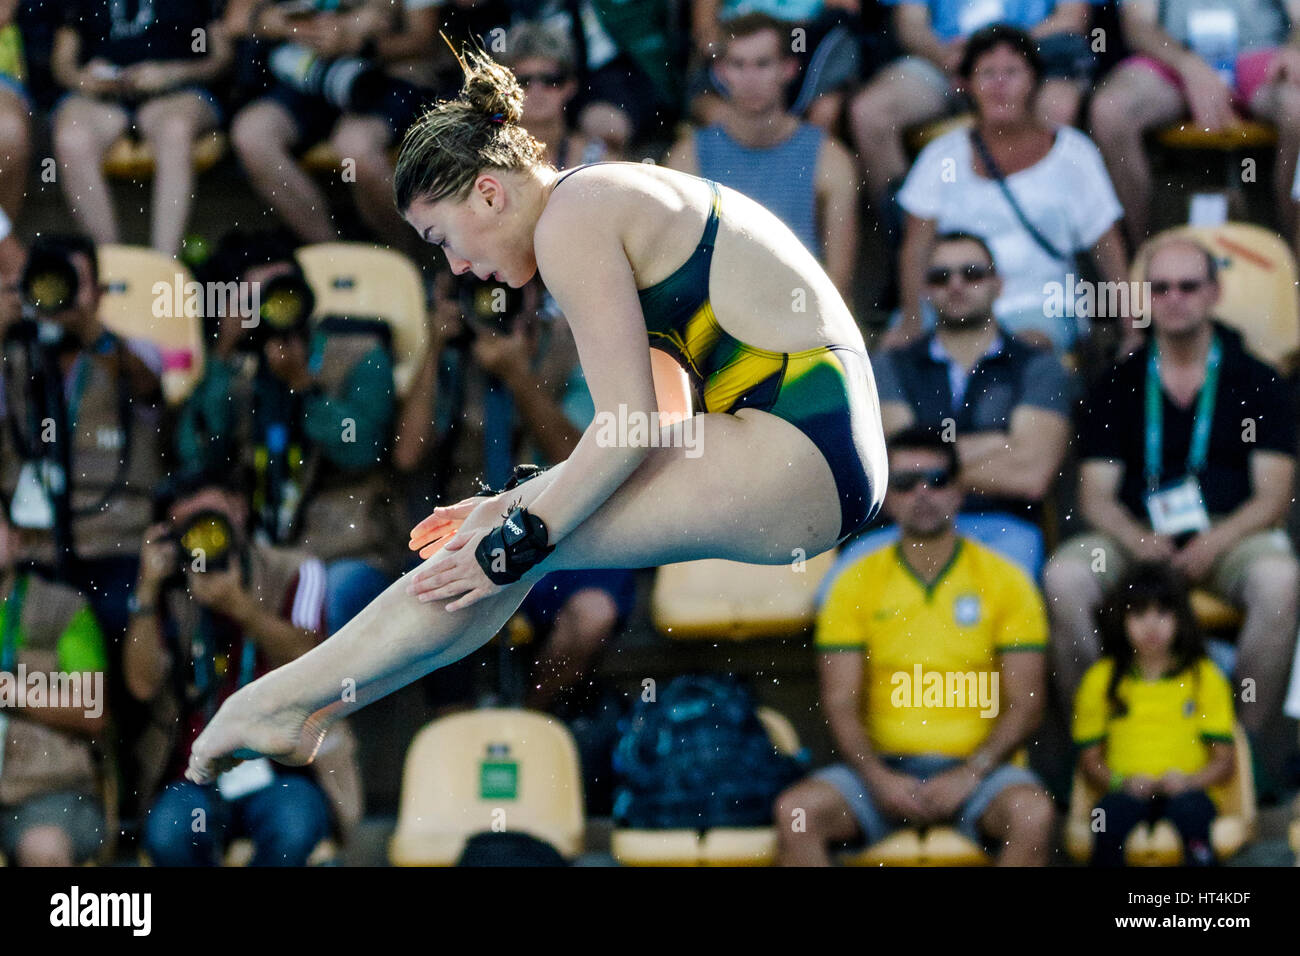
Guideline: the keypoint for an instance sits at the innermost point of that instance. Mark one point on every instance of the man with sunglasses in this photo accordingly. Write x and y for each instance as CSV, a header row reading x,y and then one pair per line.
x,y
1187,456
761,148
1004,403
935,607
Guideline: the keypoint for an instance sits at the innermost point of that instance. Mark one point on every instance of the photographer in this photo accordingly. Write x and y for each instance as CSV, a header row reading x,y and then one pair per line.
x,y
50,813
148,72
500,386
85,495
211,612
308,411
355,76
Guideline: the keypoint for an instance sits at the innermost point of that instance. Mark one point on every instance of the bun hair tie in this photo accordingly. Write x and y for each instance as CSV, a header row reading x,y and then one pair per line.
x,y
498,117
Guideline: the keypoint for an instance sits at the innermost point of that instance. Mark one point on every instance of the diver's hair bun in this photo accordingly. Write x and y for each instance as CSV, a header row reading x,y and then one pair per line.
x,y
491,89
444,150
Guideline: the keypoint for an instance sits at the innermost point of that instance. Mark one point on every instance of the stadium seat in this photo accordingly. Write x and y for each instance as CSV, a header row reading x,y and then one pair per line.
x,y
130,158
1249,134
485,770
324,159
1258,277
1159,845
910,846
359,280
714,599
721,846
920,136
1293,837
128,275
1213,613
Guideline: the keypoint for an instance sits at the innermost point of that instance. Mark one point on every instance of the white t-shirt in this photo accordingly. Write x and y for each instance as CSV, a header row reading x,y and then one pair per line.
x,y
1067,195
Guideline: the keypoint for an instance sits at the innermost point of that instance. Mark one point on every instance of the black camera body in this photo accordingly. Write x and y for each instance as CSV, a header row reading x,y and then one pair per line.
x,y
285,307
488,306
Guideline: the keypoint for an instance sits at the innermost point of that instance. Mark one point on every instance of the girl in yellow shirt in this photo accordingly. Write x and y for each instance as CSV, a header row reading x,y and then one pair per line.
x,y
1153,718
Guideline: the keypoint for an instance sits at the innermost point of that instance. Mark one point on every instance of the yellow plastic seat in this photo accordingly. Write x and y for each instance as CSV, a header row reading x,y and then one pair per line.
x,y
487,770
713,599
365,281
910,846
720,846
324,159
139,301
240,853
1160,845
1249,134
1293,837
1257,273
923,134
1213,613
926,846
130,158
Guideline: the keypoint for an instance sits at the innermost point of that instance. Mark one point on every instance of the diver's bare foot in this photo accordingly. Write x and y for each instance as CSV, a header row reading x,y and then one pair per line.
x,y
251,724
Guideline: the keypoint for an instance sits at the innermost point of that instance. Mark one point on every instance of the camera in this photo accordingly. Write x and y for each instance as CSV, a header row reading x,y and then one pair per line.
x,y
285,307
488,306
206,535
48,286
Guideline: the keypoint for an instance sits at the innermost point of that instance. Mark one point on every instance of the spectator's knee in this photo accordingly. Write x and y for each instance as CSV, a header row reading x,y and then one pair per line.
x,y
254,138
1270,584
1067,578
44,846
75,142
801,810
591,615
14,133
1111,115
871,116
167,132
1031,818
365,146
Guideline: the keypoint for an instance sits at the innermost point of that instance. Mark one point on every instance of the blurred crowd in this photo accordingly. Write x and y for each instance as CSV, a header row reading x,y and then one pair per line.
x,y
1061,480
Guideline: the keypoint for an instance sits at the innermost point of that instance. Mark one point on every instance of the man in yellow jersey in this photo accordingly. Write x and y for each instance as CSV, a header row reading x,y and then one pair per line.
x,y
932,677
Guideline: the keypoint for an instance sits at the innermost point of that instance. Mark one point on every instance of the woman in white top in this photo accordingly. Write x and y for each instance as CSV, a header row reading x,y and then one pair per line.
x,y
1066,202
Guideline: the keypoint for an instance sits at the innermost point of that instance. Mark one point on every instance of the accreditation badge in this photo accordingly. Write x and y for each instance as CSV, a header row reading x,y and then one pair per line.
x,y
1178,508
31,506
248,777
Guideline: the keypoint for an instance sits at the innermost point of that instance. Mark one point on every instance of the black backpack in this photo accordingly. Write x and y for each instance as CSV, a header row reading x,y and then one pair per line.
x,y
509,849
698,757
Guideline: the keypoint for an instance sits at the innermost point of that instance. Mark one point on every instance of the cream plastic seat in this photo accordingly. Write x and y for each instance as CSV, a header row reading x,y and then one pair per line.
x,y
487,770
361,280
140,301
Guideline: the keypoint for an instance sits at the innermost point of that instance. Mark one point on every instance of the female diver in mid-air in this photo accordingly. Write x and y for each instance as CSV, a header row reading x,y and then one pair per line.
x,y
786,460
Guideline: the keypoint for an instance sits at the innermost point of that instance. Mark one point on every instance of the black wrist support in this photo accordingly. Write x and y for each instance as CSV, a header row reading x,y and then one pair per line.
x,y
507,552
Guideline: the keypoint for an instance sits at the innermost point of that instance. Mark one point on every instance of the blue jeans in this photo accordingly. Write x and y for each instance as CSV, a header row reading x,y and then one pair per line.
x,y
350,584
285,821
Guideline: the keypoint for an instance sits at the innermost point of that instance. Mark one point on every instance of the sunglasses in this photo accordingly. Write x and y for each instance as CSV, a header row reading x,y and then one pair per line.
x,y
1185,286
552,80
936,478
940,276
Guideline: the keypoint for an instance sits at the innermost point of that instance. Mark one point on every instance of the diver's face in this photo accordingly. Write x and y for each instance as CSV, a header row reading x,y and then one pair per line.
x,y
485,233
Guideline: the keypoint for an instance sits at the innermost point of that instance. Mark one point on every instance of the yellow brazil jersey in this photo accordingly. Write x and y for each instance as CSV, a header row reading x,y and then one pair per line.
x,y
931,664
1170,722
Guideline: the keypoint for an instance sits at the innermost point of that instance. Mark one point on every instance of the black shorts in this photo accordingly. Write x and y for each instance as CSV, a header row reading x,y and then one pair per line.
x,y
314,117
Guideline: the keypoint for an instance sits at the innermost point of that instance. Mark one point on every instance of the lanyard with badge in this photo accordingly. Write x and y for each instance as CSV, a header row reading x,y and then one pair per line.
x,y
1178,508
209,668
9,647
